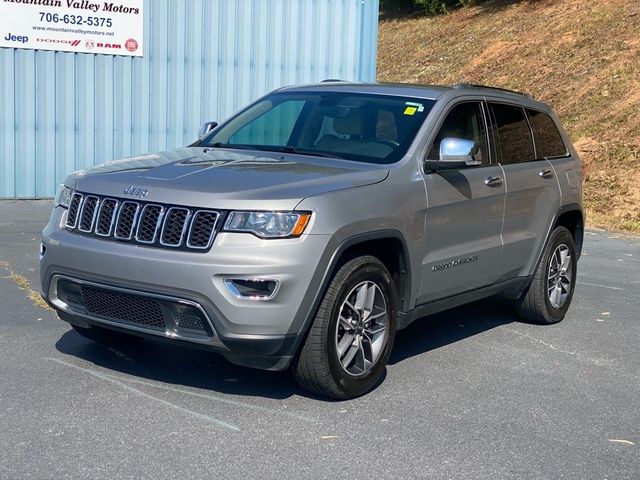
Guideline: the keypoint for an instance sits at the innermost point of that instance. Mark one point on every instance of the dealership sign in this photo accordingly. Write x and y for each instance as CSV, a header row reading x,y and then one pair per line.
x,y
83,26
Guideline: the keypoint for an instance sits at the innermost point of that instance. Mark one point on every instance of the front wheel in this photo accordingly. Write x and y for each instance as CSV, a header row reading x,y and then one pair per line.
x,y
549,295
348,346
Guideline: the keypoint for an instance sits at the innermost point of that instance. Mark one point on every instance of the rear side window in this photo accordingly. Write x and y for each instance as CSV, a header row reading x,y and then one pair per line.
x,y
548,139
514,137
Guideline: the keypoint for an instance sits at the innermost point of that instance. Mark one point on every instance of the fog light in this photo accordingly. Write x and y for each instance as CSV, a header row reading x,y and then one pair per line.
x,y
252,289
43,249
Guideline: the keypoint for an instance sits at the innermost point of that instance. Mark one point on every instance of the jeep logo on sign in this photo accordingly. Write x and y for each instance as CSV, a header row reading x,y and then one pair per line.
x,y
135,191
16,38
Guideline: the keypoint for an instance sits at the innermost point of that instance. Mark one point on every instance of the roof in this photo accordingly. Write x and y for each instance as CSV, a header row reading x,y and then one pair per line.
x,y
407,90
431,92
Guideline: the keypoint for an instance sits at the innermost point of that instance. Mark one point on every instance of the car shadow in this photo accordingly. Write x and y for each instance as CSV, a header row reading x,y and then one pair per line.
x,y
177,365
435,331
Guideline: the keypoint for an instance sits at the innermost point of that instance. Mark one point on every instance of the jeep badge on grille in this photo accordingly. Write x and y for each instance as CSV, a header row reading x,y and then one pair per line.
x,y
135,191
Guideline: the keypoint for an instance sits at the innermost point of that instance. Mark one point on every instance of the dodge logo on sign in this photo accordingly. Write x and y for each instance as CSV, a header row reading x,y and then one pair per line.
x,y
73,43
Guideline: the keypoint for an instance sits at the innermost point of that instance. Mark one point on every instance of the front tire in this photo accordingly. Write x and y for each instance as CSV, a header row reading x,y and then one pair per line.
x,y
348,346
549,295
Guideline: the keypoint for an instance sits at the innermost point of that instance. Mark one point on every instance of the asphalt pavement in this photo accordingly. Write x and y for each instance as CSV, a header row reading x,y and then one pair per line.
x,y
469,394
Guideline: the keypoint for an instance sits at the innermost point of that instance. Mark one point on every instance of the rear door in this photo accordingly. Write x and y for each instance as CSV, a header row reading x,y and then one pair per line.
x,y
533,195
464,212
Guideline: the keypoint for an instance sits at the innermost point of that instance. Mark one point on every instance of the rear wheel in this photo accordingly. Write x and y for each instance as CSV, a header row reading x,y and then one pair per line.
x,y
348,346
549,295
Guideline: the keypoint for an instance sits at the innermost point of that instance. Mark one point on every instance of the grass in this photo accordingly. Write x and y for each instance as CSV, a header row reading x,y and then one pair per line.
x,y
581,57
23,283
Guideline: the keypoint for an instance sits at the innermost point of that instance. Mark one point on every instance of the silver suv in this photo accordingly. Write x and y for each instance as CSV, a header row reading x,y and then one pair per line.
x,y
307,229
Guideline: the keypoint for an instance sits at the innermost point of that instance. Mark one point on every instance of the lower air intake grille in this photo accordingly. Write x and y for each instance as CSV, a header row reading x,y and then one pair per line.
x,y
123,307
184,320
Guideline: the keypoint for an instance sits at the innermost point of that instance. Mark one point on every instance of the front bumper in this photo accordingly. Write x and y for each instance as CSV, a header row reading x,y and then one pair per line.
x,y
262,334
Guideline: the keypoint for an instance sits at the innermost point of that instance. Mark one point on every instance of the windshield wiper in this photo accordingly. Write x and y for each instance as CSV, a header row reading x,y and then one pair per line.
x,y
266,148
304,151
231,145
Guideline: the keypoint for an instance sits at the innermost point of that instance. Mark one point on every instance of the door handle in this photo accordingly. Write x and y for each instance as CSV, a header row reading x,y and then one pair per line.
x,y
493,181
547,173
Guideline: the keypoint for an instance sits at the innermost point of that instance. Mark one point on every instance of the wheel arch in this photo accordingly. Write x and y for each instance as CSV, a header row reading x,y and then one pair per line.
x,y
572,219
370,243
390,248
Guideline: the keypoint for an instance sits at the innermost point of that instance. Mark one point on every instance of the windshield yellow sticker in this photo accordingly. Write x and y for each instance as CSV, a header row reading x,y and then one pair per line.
x,y
413,107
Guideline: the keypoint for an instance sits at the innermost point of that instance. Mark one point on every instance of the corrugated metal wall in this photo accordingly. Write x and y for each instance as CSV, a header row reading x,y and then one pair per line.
x,y
204,59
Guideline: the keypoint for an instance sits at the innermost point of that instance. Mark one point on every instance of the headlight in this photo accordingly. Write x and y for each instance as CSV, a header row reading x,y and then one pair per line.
x,y
268,224
63,197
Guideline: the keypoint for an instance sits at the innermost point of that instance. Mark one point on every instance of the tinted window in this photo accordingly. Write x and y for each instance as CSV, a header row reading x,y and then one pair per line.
x,y
362,127
514,137
273,127
548,139
463,121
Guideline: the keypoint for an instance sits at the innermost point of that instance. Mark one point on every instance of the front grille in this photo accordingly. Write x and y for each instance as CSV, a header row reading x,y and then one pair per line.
x,y
106,217
74,208
174,226
127,216
88,213
201,233
149,224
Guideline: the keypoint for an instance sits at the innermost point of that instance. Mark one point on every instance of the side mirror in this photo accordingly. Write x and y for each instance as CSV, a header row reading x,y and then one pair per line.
x,y
206,128
457,153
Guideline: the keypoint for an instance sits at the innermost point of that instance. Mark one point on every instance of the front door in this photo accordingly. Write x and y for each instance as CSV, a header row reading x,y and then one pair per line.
x,y
465,206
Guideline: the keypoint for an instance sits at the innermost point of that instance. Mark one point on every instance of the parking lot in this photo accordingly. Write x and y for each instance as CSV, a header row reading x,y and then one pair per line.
x,y
469,394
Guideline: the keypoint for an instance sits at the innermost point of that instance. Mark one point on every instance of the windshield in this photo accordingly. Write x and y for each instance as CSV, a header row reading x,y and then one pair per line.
x,y
360,127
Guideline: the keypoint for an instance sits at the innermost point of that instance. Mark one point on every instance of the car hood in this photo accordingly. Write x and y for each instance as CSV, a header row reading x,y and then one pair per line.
x,y
225,178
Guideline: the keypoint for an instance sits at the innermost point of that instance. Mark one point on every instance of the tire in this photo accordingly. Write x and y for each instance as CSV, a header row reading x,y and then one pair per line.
x,y
106,337
349,343
549,295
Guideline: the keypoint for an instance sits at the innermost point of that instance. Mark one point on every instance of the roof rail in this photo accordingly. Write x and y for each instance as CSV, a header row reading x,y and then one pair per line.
x,y
328,80
458,86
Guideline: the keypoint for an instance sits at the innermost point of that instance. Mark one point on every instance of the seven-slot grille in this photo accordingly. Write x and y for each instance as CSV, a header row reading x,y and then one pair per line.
x,y
146,223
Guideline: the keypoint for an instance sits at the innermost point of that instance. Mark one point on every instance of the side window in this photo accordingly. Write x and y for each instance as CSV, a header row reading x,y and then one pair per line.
x,y
514,137
548,139
273,127
463,121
